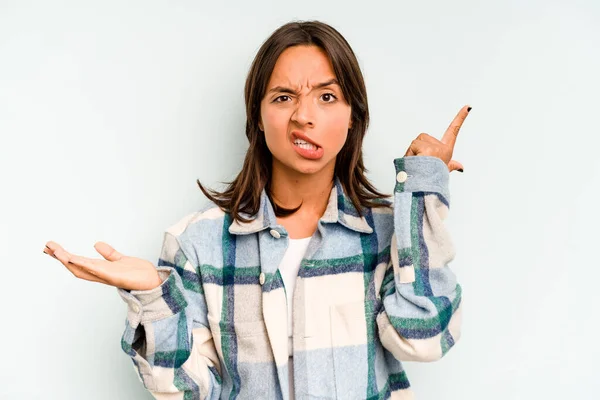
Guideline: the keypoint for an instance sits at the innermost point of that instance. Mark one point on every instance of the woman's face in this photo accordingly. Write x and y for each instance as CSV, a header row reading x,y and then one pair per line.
x,y
304,116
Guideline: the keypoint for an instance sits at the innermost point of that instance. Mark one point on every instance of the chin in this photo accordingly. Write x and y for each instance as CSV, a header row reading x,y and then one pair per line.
x,y
305,166
308,169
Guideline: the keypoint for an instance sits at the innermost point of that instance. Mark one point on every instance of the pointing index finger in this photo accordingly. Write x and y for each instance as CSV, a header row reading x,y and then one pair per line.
x,y
452,132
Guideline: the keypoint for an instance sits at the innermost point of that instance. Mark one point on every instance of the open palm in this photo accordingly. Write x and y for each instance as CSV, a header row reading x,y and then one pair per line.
x,y
116,269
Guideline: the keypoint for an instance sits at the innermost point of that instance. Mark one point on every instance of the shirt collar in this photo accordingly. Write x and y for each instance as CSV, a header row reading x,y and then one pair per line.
x,y
339,210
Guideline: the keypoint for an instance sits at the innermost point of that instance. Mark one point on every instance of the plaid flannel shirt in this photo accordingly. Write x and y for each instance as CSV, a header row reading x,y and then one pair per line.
x,y
372,291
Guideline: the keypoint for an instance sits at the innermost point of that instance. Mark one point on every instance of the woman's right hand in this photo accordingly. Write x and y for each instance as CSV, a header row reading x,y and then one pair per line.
x,y
115,270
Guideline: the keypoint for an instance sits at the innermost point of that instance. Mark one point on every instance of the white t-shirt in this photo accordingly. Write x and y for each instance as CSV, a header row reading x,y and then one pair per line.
x,y
289,267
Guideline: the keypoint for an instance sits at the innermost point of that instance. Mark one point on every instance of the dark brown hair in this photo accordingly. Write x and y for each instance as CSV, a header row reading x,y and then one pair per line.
x,y
243,193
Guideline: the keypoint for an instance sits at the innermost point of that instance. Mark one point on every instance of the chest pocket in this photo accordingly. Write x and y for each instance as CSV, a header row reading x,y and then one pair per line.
x,y
240,344
353,338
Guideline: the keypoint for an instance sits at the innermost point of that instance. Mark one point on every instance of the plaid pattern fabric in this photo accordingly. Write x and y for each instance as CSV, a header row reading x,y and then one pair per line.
x,y
371,292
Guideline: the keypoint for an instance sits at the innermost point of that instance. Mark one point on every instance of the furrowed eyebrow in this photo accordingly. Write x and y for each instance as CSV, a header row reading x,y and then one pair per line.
x,y
284,89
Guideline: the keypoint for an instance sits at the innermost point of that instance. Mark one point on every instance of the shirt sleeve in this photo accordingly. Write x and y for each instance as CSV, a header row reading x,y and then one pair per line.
x,y
421,315
167,334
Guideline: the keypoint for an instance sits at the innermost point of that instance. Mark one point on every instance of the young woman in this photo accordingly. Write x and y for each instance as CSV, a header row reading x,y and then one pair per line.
x,y
300,279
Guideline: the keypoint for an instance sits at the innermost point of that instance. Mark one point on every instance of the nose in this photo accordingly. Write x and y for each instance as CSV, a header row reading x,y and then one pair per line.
x,y
303,114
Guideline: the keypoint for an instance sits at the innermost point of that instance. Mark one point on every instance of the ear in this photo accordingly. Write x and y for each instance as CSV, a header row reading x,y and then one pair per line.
x,y
260,126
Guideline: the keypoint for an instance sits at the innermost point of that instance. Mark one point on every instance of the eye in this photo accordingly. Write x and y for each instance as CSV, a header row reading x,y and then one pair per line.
x,y
330,95
276,100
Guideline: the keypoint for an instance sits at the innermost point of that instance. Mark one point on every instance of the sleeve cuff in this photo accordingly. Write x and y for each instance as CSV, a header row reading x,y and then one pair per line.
x,y
161,302
422,174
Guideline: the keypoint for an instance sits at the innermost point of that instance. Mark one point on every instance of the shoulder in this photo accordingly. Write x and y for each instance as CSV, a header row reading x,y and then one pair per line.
x,y
385,202
382,217
208,215
199,230
384,206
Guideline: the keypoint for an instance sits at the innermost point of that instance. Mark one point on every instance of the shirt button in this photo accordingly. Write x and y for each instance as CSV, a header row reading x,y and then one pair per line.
x,y
401,177
135,308
275,234
261,278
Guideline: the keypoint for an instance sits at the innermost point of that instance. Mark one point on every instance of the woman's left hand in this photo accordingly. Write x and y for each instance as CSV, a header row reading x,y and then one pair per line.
x,y
427,145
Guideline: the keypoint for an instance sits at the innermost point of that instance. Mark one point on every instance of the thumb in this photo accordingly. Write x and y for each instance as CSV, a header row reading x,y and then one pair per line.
x,y
107,251
455,165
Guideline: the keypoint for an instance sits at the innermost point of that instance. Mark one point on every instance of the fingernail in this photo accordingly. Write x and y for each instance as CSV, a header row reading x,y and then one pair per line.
x,y
469,109
461,170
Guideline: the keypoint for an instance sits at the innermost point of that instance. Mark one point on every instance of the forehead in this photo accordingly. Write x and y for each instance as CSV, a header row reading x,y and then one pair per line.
x,y
300,66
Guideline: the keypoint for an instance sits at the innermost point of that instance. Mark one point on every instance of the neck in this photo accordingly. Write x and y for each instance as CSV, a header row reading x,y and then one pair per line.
x,y
290,188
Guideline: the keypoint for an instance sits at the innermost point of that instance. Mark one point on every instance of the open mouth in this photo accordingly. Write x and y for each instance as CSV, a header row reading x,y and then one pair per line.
x,y
303,144
302,140
305,147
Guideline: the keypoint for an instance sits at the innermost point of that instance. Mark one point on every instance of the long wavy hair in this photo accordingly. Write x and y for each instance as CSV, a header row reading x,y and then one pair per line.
x,y
243,193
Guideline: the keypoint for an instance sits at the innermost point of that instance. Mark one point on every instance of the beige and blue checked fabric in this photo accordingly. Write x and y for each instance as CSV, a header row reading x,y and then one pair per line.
x,y
372,291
